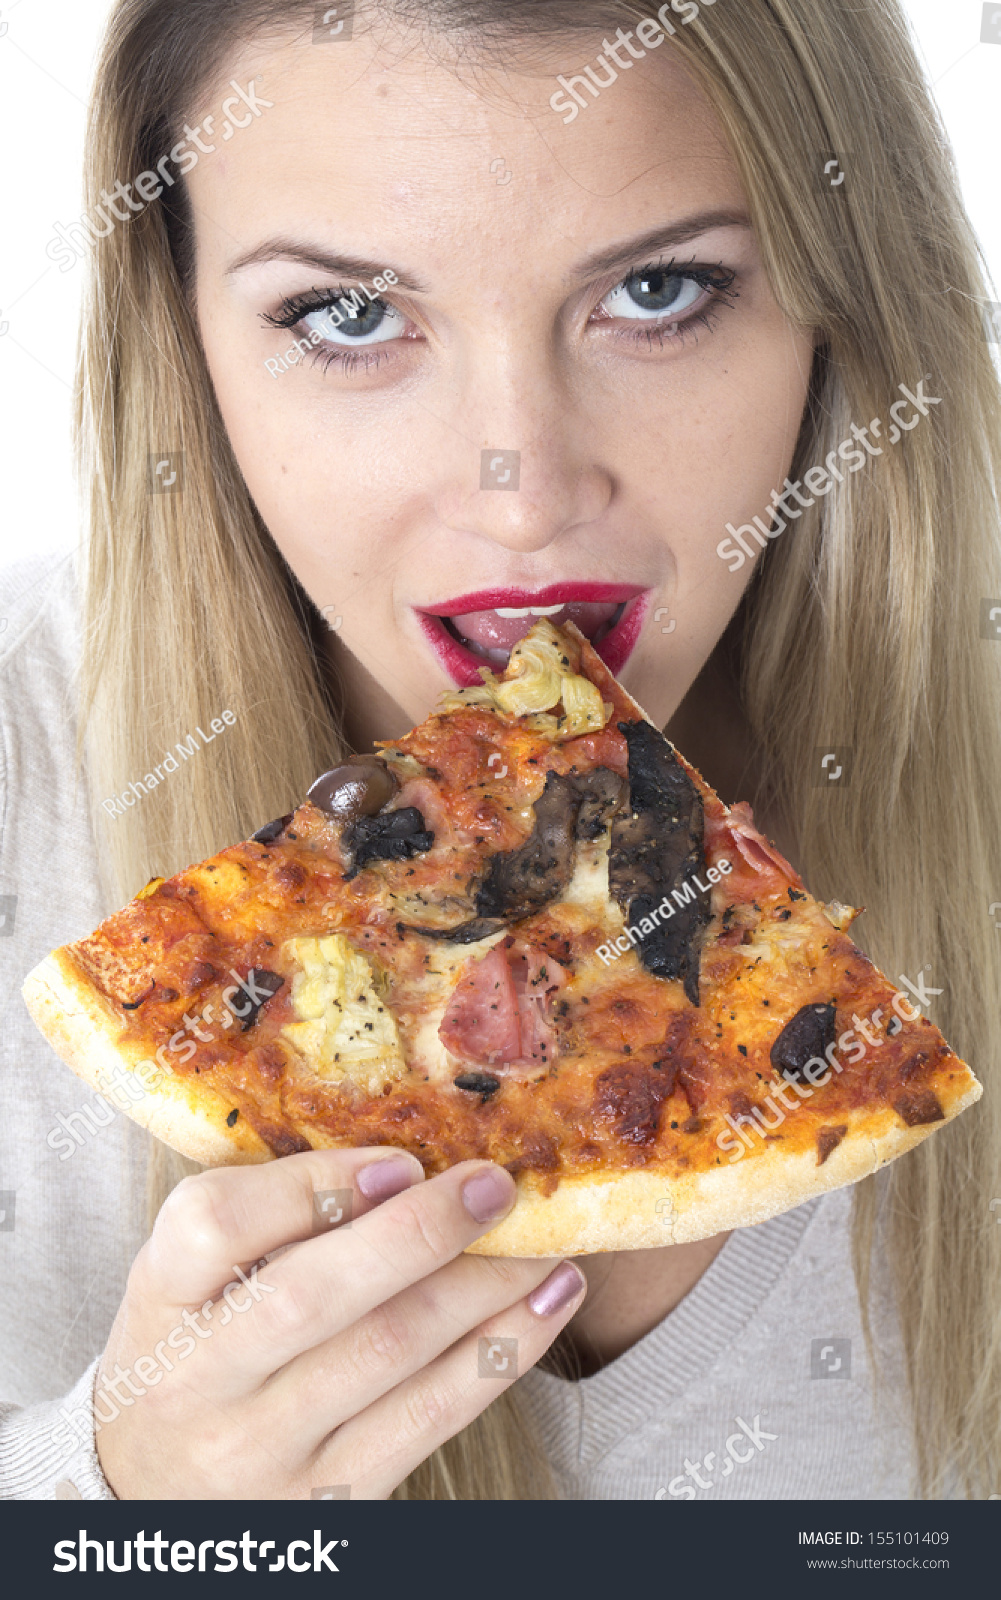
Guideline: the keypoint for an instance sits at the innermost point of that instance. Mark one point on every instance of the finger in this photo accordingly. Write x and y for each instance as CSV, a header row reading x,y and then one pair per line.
x,y
323,1388
320,1289
376,1449
233,1216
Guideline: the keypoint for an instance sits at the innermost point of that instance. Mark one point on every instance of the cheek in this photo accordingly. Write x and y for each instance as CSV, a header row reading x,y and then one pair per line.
x,y
730,442
298,465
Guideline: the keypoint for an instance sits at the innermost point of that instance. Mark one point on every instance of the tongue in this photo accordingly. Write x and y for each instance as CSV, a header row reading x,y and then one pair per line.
x,y
488,632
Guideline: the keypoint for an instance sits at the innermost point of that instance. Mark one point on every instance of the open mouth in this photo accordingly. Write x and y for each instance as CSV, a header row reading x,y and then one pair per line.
x,y
480,630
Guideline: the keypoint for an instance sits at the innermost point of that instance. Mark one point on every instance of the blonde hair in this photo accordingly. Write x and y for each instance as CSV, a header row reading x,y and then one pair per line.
x,y
861,630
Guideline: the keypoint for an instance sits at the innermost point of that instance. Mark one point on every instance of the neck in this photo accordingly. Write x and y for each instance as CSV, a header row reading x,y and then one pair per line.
x,y
629,1293
370,712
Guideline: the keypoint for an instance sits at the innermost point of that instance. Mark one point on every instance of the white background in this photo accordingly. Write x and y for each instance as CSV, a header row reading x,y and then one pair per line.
x,y
47,54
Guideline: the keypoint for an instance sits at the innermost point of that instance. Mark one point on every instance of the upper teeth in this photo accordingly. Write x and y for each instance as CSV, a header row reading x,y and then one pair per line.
x,y
528,611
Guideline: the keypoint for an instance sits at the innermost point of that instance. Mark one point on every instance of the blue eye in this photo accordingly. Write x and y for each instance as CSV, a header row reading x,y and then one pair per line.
x,y
348,325
653,294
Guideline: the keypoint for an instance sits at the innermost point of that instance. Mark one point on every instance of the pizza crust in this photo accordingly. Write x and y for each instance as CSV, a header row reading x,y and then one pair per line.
x,y
620,1212
84,1028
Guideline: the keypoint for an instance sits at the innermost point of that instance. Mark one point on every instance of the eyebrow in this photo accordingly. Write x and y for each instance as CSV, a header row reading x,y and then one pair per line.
x,y
648,244
659,240
338,266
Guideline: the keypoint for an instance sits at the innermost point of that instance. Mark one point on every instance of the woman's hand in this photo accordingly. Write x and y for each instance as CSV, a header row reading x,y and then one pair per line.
x,y
346,1360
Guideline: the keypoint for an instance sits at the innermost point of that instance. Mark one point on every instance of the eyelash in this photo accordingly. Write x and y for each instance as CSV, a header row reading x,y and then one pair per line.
x,y
295,308
719,280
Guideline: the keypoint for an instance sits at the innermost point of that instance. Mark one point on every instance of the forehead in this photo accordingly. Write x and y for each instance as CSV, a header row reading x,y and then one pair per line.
x,y
461,156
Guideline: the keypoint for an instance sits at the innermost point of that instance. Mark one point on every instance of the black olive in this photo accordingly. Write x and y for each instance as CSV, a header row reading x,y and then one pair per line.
x,y
260,987
269,833
809,1034
359,788
480,1083
395,836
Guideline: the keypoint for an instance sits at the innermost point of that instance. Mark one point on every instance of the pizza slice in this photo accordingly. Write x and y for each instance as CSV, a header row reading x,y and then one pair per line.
x,y
527,931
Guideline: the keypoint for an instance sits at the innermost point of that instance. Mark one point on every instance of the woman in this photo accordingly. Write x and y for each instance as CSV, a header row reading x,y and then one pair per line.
x,y
356,251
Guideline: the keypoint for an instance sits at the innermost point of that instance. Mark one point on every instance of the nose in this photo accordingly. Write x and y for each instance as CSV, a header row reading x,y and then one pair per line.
x,y
519,470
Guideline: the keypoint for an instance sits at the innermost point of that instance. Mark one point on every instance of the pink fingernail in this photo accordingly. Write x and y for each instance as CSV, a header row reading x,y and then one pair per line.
x,y
489,1195
380,1180
557,1292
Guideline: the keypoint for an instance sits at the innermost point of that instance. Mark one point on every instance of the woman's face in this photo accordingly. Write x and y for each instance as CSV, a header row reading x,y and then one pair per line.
x,y
577,379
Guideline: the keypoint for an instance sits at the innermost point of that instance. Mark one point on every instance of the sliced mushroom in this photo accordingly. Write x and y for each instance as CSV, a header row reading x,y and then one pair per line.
x,y
602,792
259,987
520,882
657,850
466,932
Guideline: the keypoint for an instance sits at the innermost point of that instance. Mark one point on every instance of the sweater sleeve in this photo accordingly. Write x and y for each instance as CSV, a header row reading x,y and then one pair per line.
x,y
52,1444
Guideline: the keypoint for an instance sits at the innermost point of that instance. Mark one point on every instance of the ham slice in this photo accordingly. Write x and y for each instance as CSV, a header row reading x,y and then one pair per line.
x,y
481,1021
759,867
498,1013
536,977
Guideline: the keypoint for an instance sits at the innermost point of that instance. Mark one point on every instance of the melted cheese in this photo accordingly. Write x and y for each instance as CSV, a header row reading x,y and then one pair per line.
x,y
589,884
343,1030
789,945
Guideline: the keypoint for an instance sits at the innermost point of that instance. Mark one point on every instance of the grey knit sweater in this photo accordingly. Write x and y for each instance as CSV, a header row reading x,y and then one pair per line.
x,y
757,1387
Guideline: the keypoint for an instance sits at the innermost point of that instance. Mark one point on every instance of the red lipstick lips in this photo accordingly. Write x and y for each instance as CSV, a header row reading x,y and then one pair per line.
x,y
480,629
